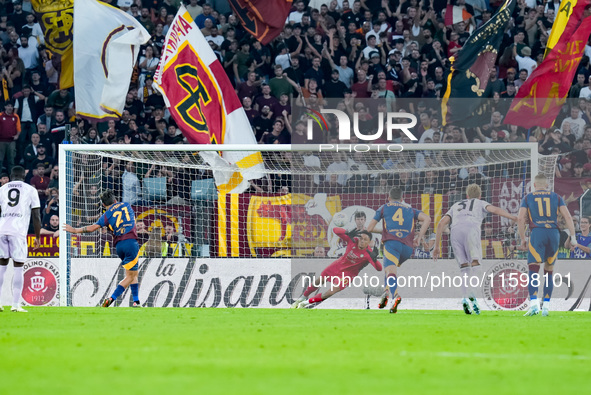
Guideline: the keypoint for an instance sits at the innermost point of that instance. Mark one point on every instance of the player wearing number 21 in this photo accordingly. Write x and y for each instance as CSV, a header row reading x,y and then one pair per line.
x,y
18,202
120,219
398,230
542,208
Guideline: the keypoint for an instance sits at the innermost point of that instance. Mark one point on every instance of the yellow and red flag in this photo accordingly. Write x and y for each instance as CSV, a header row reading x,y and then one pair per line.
x,y
540,98
264,19
56,18
204,105
566,10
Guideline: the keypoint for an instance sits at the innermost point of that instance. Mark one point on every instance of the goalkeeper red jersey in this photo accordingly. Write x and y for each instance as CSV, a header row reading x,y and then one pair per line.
x,y
353,260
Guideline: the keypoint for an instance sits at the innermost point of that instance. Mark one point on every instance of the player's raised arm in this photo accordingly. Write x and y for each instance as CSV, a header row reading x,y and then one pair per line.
x,y
569,224
344,235
84,229
445,221
426,220
374,259
501,212
521,219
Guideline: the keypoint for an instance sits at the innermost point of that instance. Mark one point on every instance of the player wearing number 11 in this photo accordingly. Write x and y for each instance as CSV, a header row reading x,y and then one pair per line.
x,y
120,219
542,208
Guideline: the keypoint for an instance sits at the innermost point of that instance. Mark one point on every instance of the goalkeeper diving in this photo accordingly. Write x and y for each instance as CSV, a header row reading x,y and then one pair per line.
x,y
341,272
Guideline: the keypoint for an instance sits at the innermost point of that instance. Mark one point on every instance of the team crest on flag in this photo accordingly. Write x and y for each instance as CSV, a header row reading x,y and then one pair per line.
x,y
204,105
195,96
56,18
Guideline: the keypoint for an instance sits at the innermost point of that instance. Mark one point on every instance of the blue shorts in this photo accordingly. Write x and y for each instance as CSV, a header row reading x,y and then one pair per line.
x,y
129,252
395,253
543,245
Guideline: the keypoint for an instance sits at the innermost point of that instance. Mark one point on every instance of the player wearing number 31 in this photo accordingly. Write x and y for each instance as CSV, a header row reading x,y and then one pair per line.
x,y
466,219
120,219
542,208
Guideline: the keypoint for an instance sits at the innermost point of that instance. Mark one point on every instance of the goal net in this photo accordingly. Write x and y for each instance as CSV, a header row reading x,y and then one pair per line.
x,y
203,248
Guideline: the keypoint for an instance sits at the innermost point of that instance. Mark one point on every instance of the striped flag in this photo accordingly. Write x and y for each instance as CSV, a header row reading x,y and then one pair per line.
x,y
204,105
456,14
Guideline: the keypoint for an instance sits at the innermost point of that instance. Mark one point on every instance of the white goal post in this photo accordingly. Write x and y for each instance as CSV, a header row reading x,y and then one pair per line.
x,y
287,214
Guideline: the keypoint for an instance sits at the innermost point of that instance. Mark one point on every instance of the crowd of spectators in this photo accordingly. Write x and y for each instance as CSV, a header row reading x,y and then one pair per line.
x,y
365,55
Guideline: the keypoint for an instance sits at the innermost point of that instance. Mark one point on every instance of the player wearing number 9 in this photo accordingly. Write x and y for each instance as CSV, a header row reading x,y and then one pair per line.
x,y
542,208
120,219
18,201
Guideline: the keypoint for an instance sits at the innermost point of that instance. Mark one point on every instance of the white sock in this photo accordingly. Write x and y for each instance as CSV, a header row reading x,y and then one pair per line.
x,y
465,275
17,286
547,304
535,302
2,271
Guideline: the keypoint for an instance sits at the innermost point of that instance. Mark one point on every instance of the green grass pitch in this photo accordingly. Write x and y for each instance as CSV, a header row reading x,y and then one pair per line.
x,y
275,351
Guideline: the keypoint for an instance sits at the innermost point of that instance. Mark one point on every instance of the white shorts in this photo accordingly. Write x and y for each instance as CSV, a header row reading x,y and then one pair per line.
x,y
466,245
14,247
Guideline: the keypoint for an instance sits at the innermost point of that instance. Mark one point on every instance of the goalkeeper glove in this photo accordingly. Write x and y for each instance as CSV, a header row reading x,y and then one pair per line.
x,y
573,240
374,254
353,233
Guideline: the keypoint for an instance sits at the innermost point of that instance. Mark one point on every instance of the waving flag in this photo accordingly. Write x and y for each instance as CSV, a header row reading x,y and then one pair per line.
x,y
56,19
565,11
264,19
467,80
540,98
204,105
456,14
106,44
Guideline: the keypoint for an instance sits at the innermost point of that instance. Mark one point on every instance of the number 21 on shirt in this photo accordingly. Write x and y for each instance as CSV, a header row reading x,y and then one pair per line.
x,y
119,215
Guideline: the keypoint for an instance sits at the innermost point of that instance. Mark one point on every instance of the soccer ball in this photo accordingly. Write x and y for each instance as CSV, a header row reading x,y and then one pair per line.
x,y
340,219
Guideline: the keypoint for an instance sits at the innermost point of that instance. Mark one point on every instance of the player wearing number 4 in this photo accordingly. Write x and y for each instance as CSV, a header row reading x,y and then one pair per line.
x,y
120,219
466,220
542,208
18,202
397,235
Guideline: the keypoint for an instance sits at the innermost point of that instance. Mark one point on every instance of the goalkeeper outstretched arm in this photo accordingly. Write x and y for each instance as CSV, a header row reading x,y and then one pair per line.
x,y
352,237
373,259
